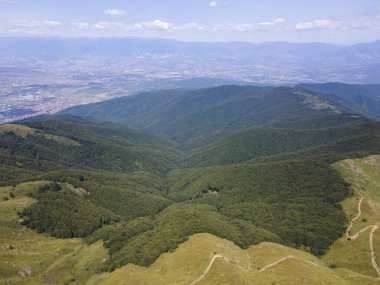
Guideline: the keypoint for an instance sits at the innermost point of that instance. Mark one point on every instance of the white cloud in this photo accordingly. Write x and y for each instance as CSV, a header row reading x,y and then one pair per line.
x,y
115,12
190,26
269,26
276,25
122,28
305,26
236,27
213,4
34,23
100,26
51,23
154,25
267,23
159,27
162,25
318,25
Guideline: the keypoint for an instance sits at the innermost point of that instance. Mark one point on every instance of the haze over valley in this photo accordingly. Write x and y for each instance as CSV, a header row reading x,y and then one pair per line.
x,y
46,75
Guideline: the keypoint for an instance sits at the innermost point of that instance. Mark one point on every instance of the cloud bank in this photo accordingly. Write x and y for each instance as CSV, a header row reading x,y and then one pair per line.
x,y
270,29
115,12
213,4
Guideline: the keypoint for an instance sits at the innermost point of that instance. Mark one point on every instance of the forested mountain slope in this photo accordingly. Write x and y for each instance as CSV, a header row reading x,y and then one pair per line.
x,y
186,115
263,143
248,164
48,143
363,99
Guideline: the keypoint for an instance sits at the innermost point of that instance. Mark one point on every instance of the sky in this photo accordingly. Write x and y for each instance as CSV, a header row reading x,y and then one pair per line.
x,y
329,21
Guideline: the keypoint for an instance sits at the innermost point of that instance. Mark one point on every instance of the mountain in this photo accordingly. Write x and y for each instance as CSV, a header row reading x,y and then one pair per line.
x,y
272,62
363,99
197,117
279,143
122,47
108,188
184,115
55,143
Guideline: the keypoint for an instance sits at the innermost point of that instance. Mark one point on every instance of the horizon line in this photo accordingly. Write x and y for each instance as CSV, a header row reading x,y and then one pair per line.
x,y
180,41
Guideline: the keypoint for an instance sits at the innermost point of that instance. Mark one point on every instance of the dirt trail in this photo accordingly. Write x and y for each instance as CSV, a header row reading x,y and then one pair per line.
x,y
284,259
374,227
373,254
216,256
355,218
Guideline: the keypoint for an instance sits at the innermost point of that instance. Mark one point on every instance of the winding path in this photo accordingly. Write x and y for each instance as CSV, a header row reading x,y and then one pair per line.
x,y
355,218
373,253
374,228
284,259
216,256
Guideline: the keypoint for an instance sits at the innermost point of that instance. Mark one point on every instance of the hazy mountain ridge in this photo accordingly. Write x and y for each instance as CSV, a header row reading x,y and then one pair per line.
x,y
113,47
273,62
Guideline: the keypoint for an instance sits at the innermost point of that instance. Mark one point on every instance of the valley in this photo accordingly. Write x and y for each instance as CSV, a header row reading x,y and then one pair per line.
x,y
222,185
204,142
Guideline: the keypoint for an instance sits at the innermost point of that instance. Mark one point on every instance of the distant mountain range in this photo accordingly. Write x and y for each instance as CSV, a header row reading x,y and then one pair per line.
x,y
273,62
121,47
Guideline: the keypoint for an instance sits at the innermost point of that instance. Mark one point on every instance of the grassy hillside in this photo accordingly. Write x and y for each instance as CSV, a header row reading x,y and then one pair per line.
x,y
206,259
352,251
32,258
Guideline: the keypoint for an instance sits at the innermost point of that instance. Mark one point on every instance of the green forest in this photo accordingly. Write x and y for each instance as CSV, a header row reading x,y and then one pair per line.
x,y
248,164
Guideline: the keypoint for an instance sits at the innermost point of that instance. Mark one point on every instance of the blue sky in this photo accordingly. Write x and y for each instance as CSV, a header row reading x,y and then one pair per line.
x,y
334,21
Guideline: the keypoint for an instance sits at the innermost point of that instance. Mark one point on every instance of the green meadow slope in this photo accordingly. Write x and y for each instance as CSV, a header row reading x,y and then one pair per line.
x,y
28,257
359,248
206,259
